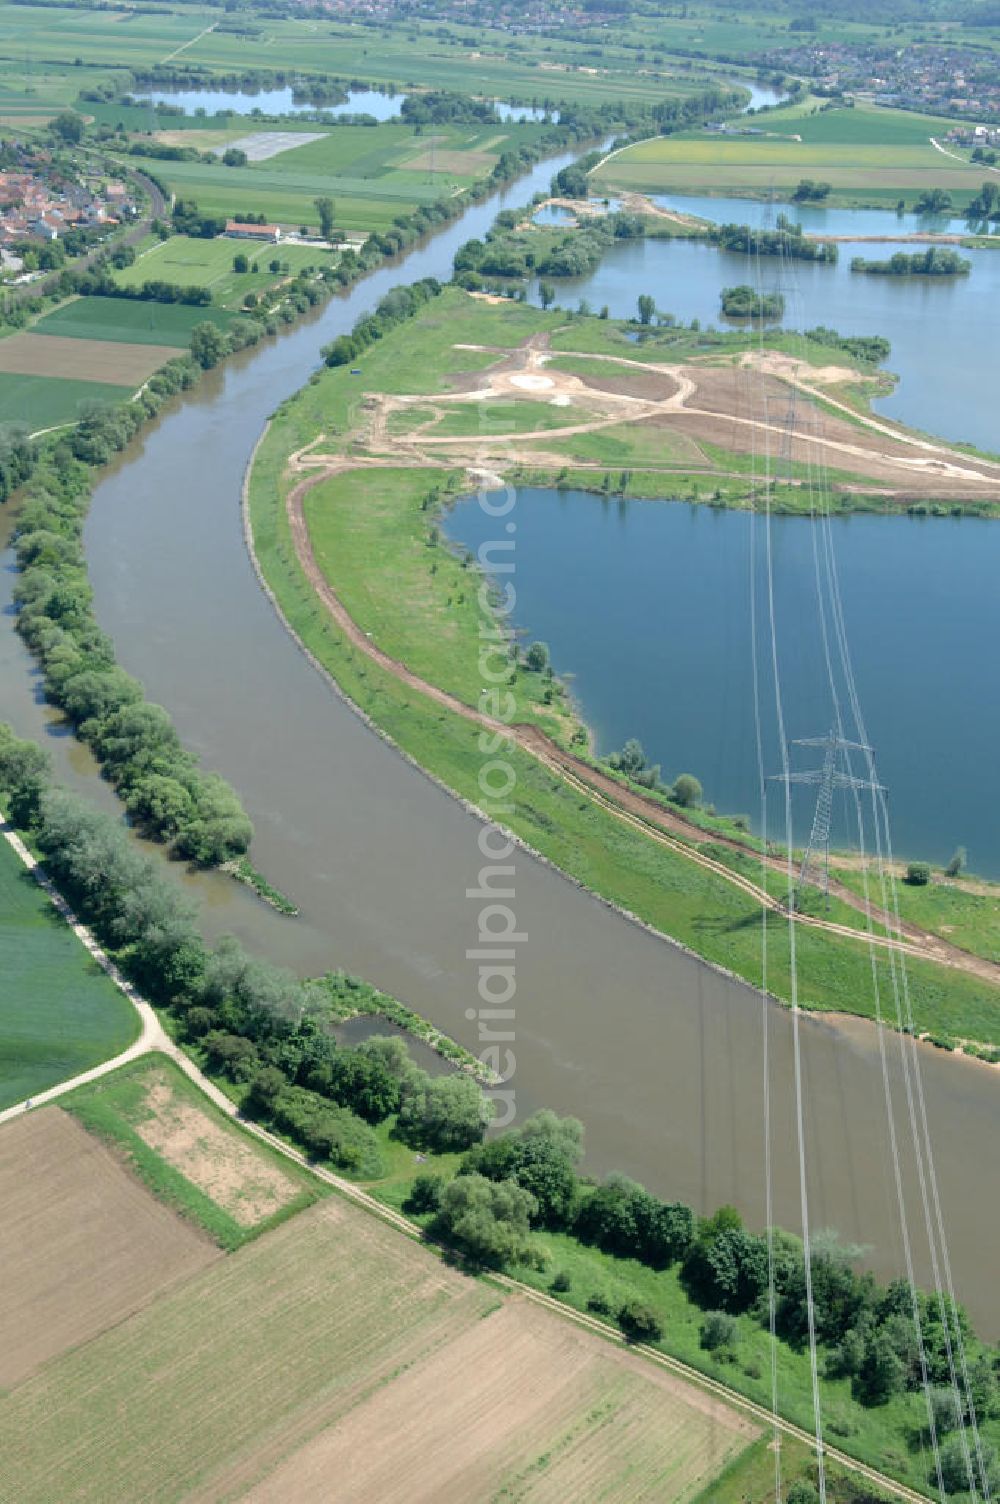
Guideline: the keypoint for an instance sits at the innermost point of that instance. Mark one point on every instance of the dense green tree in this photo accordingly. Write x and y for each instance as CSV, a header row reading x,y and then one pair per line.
x,y
68,126
325,209
687,790
541,1156
719,1332
208,344
425,1195
444,1112
639,1322
488,1222
646,306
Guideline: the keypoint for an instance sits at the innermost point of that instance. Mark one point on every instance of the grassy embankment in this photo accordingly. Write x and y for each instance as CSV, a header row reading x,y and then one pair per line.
x,y
871,157
406,600
61,1014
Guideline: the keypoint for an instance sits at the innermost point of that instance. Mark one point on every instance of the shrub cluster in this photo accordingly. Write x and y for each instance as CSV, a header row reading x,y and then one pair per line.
x,y
787,240
934,262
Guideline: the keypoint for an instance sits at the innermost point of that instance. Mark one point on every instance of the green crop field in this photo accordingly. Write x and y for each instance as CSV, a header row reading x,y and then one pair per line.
x,y
371,174
123,321
867,155
209,263
46,401
60,1013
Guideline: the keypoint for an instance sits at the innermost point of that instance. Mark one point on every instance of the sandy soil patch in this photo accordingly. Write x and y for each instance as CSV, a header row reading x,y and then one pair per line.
x,y
222,1164
788,368
82,359
521,1405
82,1244
261,146
531,383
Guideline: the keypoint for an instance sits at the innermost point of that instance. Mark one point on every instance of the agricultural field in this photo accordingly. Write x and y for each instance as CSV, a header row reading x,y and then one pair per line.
x,y
371,173
83,1244
193,262
124,321
189,1154
61,1014
79,359
869,156
40,402
332,1346
412,54
553,1416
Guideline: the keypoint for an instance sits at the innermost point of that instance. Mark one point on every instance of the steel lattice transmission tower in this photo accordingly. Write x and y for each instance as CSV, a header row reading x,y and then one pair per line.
x,y
833,774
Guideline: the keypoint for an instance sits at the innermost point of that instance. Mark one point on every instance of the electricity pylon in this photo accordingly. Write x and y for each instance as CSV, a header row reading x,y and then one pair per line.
x,y
828,777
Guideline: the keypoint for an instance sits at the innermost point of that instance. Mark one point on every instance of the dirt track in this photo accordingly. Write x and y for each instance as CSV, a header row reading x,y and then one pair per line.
x,y
766,403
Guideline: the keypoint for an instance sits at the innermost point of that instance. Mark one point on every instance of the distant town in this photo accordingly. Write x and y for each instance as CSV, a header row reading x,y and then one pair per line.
x,y
42,201
936,80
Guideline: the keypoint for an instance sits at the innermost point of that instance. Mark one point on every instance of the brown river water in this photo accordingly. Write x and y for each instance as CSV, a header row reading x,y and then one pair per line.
x,y
660,1056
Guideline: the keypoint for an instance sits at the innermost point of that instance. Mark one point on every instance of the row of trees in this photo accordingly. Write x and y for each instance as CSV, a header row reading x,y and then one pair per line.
x,y
166,792
528,1178
936,261
398,305
786,240
256,1024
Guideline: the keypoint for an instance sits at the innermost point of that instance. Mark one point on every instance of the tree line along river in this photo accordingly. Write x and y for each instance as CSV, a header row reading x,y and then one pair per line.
x,y
660,1056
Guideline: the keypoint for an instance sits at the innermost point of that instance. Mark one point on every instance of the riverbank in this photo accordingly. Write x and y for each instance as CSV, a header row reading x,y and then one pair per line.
x,y
590,842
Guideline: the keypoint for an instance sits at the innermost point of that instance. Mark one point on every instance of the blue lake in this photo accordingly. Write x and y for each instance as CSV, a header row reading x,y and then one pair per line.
x,y
935,325
646,606
384,106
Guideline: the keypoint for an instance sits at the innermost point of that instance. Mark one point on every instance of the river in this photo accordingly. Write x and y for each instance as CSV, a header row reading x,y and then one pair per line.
x,y
659,1055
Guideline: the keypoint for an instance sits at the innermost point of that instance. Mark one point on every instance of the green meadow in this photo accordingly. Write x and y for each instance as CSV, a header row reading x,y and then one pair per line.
x,y
60,1014
40,402
209,263
123,321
